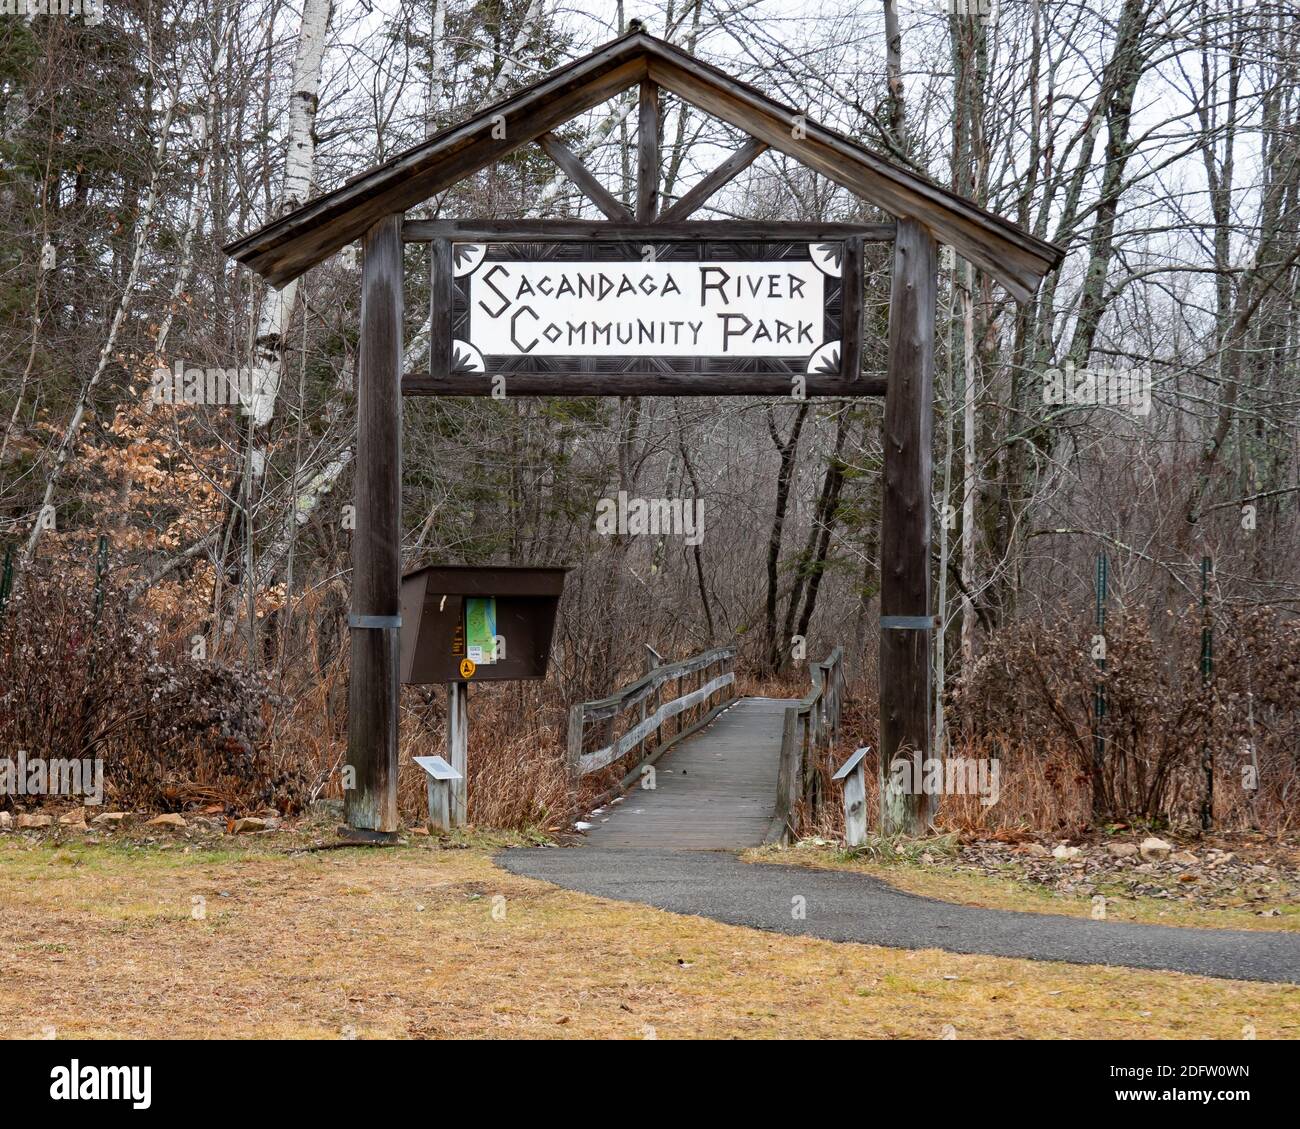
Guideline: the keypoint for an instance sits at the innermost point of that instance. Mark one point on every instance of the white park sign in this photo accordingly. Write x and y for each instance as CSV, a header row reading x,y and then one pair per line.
x,y
728,308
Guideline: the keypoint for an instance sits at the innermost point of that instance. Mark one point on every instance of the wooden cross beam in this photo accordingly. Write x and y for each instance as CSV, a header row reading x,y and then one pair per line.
x,y
732,167
617,231
583,177
648,171
637,384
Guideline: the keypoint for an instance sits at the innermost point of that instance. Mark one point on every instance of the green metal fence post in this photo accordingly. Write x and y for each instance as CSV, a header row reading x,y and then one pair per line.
x,y
1099,696
1207,674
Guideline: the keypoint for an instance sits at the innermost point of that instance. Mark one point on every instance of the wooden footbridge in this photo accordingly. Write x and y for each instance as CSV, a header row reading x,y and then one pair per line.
x,y
704,769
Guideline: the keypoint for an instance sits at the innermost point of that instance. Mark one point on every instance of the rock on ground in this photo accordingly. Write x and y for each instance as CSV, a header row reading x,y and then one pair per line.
x,y
1153,848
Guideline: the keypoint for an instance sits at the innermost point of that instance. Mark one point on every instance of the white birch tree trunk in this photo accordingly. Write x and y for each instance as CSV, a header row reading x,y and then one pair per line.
x,y
305,502
969,485
277,305
300,163
510,61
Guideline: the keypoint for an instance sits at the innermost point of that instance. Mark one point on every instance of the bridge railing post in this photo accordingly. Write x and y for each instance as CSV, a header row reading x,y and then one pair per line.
x,y
788,774
640,745
808,734
577,719
808,755
659,729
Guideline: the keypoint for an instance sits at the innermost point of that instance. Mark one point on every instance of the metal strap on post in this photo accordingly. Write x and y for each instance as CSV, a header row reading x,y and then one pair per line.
x,y
907,622
374,622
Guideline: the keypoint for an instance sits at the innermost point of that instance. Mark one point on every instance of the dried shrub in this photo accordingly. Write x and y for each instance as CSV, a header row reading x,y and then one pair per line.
x,y
84,676
1030,699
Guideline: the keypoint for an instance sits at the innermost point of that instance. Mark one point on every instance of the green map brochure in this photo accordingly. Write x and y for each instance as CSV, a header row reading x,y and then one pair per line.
x,y
481,629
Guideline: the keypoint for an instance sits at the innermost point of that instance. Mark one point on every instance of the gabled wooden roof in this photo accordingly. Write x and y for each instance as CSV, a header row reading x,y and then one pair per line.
x,y
285,248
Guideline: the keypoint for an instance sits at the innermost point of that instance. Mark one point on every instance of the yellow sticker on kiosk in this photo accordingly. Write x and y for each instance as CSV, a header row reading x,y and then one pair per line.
x,y
467,668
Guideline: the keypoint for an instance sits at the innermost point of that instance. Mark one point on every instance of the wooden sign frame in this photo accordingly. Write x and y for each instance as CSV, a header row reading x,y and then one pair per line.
x,y
456,369
449,375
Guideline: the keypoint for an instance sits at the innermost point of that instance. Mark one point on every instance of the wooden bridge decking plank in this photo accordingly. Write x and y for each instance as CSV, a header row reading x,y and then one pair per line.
x,y
714,791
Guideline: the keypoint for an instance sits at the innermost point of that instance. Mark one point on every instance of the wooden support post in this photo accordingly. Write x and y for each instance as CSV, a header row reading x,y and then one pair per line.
x,y
370,802
789,771
440,283
458,749
855,808
650,660
807,753
441,778
905,637
852,301
647,144
577,719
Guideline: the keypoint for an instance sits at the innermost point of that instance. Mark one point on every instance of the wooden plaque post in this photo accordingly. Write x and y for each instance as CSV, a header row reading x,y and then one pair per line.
x,y
439,805
458,748
853,778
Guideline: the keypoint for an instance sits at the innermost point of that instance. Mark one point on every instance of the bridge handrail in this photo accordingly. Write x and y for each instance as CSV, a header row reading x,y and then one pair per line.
x,y
810,727
700,699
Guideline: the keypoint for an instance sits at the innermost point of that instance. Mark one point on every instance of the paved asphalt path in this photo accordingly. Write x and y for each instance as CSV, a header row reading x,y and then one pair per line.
x,y
842,906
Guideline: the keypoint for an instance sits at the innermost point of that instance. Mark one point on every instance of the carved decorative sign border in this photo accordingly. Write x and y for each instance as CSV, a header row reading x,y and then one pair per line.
x,y
474,278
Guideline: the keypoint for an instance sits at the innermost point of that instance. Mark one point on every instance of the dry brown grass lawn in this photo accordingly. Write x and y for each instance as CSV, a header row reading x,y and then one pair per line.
x,y
102,941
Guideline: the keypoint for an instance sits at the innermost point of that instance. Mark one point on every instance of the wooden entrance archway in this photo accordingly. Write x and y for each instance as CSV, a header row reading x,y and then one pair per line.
x,y
370,207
